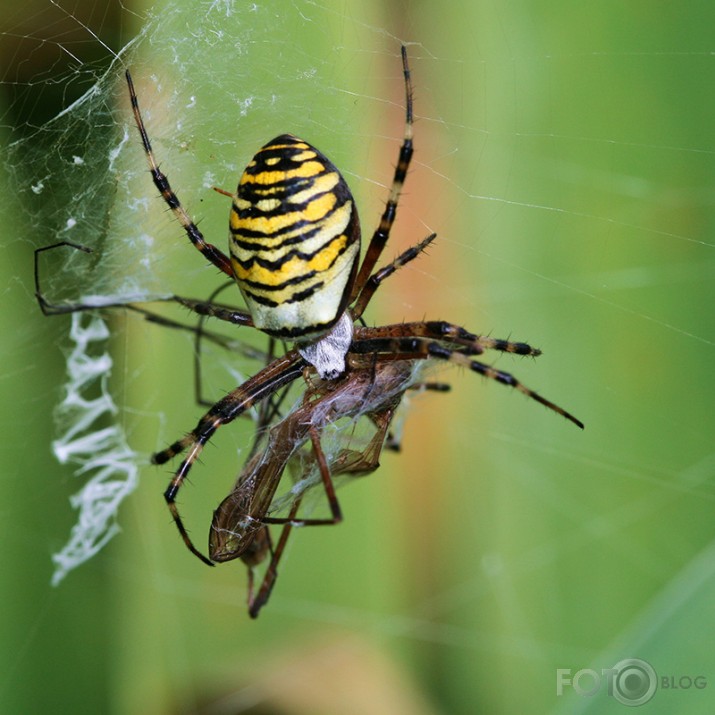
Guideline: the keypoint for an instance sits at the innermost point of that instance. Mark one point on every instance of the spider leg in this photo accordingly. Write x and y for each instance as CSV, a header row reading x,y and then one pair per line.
x,y
201,307
374,281
431,386
422,349
438,351
215,310
382,233
280,372
213,254
46,306
200,332
447,332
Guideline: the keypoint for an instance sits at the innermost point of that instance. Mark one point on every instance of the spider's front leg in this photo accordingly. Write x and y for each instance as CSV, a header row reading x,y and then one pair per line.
x,y
212,254
277,374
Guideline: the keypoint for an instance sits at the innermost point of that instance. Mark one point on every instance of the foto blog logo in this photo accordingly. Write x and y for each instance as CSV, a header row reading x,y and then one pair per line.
x,y
631,681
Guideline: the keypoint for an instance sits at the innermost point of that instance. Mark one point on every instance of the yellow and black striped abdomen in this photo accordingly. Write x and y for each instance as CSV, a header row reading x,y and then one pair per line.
x,y
294,239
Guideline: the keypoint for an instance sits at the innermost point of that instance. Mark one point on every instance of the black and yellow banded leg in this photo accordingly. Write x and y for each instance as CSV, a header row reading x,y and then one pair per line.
x,y
470,343
382,233
212,254
279,373
376,279
422,349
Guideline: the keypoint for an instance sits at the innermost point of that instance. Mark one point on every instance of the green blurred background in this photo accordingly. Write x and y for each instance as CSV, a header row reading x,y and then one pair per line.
x,y
565,156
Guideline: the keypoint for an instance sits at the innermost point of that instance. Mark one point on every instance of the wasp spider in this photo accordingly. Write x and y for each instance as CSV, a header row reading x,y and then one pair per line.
x,y
294,247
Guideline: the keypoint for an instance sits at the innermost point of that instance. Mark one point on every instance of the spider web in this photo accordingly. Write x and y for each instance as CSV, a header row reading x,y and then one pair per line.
x,y
565,158
127,264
